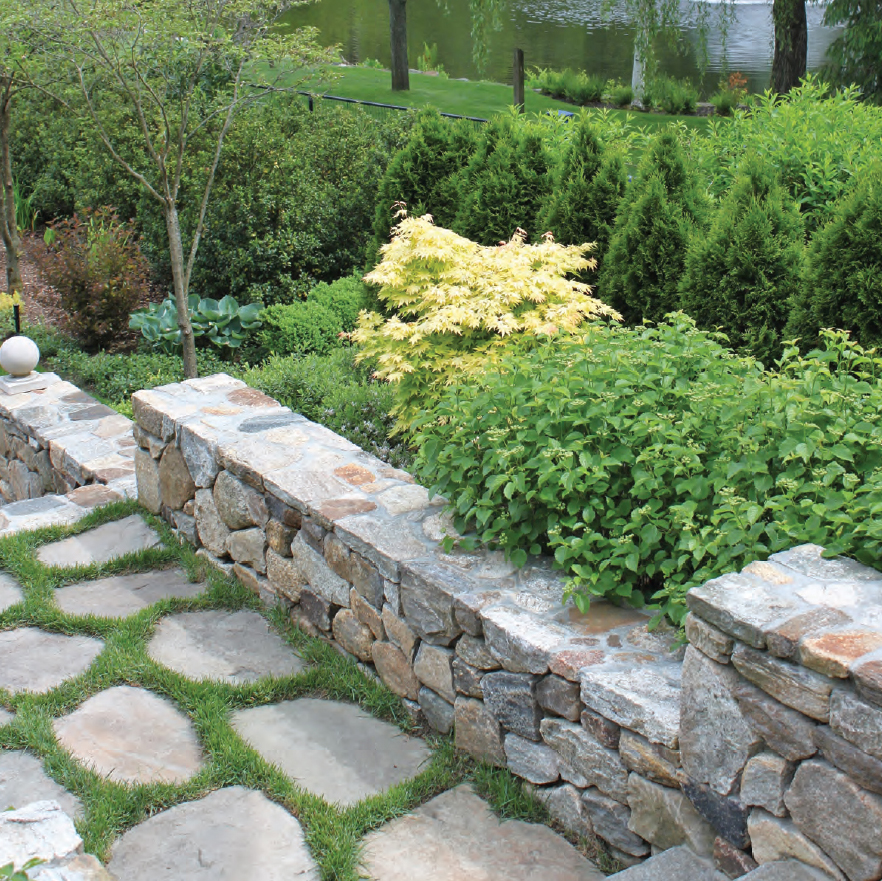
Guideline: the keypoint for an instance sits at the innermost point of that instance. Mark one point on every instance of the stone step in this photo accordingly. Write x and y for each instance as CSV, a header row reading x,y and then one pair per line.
x,y
785,870
676,864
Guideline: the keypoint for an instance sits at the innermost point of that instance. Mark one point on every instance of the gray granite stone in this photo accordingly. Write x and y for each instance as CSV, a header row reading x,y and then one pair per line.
x,y
607,733
559,696
354,636
764,782
398,632
212,531
474,651
322,581
857,721
849,759
239,505
709,640
609,820
317,610
678,863
248,547
147,475
456,836
124,595
10,592
438,712
535,762
332,749
233,647
176,484
564,803
23,780
100,545
37,661
284,576
259,839
467,680
520,640
130,735
367,614
774,839
511,698
395,670
650,760
478,731
666,818
433,667
427,592
726,813
38,831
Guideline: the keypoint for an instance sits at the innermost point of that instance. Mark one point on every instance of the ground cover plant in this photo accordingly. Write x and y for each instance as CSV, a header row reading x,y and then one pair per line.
x,y
649,460
332,833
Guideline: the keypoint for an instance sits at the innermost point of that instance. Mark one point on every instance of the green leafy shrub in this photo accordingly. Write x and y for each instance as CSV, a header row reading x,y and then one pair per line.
x,y
843,287
654,224
620,94
587,190
724,102
94,262
741,277
577,87
300,328
344,298
651,459
671,95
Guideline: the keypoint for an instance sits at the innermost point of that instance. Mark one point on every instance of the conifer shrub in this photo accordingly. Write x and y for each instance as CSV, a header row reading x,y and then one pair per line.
x,y
742,275
457,307
843,286
299,328
344,298
654,224
586,192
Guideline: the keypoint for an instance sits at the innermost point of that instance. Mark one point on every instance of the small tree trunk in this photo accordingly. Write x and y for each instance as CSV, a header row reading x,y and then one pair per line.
x,y
398,37
179,276
791,44
8,225
518,76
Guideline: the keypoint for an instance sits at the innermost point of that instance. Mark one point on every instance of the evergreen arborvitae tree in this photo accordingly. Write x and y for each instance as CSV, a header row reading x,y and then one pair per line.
x,y
586,194
742,276
843,279
654,224
504,185
424,175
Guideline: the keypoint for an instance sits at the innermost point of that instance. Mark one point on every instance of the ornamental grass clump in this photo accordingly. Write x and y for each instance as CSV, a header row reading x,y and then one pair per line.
x,y
458,307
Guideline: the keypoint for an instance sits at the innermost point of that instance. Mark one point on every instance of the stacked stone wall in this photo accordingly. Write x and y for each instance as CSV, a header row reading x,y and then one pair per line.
x,y
781,719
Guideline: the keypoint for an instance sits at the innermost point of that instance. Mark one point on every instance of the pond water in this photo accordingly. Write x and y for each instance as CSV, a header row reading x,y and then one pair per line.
x,y
558,34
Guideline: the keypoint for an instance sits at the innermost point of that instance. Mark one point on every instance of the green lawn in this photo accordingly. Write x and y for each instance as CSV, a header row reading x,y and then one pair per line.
x,y
463,98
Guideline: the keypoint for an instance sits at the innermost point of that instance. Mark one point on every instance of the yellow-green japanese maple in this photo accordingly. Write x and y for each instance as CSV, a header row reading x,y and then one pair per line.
x,y
458,306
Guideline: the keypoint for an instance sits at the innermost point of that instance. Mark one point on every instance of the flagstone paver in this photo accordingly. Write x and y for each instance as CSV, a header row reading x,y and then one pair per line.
x,y
124,595
101,544
5,717
332,749
232,833
10,592
23,780
37,661
233,646
131,736
456,836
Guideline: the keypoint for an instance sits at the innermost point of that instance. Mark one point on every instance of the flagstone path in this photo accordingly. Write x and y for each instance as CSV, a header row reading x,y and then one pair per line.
x,y
335,750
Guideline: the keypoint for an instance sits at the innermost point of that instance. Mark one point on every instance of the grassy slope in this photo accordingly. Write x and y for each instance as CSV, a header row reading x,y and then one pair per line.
x,y
463,98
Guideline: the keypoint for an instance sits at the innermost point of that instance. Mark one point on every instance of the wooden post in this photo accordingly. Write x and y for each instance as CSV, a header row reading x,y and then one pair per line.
x,y
519,79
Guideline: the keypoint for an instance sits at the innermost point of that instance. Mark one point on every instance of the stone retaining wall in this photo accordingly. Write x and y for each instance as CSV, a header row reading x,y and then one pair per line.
x,y
781,725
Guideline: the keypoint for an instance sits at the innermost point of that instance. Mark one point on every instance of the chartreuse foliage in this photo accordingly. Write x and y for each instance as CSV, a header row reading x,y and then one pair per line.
x,y
651,459
741,277
458,307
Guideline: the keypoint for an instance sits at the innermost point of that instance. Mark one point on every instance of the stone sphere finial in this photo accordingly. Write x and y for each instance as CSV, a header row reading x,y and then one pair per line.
x,y
19,356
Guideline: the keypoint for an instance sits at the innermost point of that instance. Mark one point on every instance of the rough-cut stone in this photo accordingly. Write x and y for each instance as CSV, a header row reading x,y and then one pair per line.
x,y
467,680
131,735
313,534
255,582
564,803
279,537
843,819
332,749
399,633
318,611
317,573
511,697
787,870
732,861
367,614
124,595
709,640
559,696
354,636
284,576
609,820
433,667
175,482
857,721
783,637
715,739
10,592
100,545
535,762
36,661
352,567
849,759
607,733
478,732
467,609
726,814
773,839
147,475
427,592
212,531
764,782
600,766
650,760
676,864
239,506
833,653
522,642
456,836
38,831
259,839
395,670
666,818
867,675
235,647
642,697
793,686
23,780
82,867
438,712
474,652
786,731
388,544
248,547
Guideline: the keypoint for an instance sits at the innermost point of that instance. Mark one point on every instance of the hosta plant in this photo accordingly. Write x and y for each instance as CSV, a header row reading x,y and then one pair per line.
x,y
457,307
